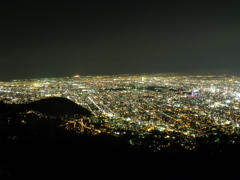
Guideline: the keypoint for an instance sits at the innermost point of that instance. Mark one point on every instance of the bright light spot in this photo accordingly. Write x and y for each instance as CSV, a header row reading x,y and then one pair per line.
x,y
128,119
228,101
110,115
228,122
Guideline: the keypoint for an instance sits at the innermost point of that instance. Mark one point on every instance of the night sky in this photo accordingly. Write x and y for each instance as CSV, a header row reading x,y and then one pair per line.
x,y
44,38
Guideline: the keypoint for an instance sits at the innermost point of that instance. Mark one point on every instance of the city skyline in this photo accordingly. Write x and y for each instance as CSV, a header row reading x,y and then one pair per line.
x,y
61,38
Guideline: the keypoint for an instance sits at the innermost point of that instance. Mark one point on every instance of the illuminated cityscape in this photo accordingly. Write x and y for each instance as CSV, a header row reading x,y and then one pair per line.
x,y
119,89
181,107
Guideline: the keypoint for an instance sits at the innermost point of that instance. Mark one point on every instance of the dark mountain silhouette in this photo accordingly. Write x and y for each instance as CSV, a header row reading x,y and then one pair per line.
x,y
3,107
54,106
15,122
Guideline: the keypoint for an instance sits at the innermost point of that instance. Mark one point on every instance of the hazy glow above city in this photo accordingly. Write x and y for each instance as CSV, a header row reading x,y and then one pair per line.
x,y
107,37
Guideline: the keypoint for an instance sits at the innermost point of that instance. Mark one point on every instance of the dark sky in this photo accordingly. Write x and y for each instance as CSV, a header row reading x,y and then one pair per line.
x,y
44,38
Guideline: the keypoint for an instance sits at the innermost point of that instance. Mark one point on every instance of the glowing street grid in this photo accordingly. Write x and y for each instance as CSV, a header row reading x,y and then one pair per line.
x,y
181,108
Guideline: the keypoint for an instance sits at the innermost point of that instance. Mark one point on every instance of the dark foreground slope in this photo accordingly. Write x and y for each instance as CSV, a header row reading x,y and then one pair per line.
x,y
43,150
72,156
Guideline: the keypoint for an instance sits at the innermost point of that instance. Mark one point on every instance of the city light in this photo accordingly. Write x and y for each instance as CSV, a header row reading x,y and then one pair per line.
x,y
187,105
